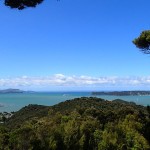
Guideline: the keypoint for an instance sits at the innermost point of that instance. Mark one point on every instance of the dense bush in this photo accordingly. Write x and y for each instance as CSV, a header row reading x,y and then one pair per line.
x,y
79,124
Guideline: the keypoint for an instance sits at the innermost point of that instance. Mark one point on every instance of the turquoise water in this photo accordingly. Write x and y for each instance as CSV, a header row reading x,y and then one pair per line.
x,y
13,102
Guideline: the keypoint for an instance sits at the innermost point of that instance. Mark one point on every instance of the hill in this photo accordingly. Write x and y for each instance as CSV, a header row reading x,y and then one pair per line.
x,y
25,114
11,91
7,91
86,123
77,104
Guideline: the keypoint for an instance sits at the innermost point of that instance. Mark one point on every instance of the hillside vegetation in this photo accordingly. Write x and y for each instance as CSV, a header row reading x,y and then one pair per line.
x,y
78,124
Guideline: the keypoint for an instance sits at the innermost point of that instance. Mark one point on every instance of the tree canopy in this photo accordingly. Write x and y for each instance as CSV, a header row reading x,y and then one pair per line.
x,y
21,4
86,123
143,42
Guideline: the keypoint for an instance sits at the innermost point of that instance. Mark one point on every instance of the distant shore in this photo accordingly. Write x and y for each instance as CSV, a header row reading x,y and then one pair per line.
x,y
122,93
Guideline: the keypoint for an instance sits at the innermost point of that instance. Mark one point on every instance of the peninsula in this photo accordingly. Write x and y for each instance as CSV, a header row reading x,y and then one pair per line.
x,y
122,93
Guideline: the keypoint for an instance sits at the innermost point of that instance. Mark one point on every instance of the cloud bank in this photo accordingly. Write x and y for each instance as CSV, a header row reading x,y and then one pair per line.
x,y
77,82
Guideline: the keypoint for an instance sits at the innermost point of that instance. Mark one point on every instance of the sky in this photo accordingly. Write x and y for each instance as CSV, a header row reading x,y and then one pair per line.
x,y
74,45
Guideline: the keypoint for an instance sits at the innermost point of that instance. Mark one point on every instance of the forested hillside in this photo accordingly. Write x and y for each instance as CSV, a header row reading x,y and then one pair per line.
x,y
78,124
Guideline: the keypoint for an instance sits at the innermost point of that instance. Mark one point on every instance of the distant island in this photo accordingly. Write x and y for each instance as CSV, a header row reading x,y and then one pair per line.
x,y
122,93
7,91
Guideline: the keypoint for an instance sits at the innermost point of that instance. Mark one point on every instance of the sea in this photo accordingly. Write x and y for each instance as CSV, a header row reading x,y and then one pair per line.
x,y
14,101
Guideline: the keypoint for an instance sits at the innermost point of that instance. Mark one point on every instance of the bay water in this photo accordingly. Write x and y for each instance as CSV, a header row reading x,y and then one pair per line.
x,y
15,101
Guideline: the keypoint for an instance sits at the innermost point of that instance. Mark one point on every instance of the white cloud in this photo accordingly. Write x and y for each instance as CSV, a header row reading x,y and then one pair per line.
x,y
60,80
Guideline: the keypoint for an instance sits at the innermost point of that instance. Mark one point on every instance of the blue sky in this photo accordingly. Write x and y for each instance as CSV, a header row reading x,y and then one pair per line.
x,y
74,45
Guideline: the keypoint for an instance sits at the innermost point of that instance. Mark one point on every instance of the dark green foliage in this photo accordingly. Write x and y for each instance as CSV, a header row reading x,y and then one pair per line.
x,y
143,42
21,4
27,113
79,124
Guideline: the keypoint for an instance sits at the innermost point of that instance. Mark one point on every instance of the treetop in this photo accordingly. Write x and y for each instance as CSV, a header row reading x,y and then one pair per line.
x,y
143,42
